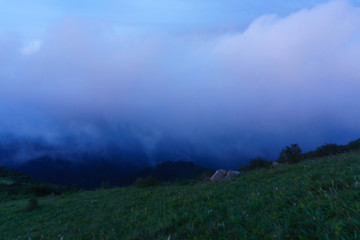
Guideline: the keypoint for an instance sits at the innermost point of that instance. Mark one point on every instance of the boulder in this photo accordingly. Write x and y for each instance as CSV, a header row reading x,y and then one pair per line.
x,y
231,174
219,175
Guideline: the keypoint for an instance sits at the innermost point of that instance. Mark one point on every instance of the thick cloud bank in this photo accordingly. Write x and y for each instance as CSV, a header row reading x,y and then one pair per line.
x,y
230,96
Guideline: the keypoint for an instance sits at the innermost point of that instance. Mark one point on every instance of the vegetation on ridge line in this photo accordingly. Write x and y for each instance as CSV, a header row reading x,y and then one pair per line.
x,y
15,185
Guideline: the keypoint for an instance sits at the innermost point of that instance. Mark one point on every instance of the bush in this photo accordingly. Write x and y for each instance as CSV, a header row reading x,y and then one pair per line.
x,y
256,163
32,204
259,163
150,181
352,146
329,149
42,190
290,154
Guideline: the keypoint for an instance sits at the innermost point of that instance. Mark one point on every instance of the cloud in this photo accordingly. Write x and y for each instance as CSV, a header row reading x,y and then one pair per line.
x,y
31,47
283,80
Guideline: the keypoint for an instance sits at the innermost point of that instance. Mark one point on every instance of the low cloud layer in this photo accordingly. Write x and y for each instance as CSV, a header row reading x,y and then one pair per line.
x,y
230,96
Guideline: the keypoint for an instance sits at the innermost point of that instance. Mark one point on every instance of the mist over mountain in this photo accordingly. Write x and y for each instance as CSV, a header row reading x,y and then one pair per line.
x,y
132,93
91,90
89,164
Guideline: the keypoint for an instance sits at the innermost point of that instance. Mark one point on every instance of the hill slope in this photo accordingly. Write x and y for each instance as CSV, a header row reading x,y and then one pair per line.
x,y
315,199
15,185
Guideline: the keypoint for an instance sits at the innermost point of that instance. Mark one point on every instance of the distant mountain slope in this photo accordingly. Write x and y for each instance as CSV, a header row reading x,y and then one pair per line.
x,y
8,177
89,166
172,171
86,174
13,183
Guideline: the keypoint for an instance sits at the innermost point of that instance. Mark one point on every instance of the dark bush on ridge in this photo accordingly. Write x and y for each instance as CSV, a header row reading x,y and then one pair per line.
x,y
290,154
256,163
352,146
44,190
332,149
329,149
259,163
150,181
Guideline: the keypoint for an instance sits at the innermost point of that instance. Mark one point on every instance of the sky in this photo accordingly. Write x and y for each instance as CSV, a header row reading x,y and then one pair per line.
x,y
232,79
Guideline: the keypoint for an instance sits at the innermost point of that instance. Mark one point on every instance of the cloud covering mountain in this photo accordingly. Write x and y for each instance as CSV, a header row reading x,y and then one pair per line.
x,y
229,95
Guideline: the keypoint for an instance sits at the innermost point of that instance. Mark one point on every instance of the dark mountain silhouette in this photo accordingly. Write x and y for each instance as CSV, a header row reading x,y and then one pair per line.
x,y
172,171
15,176
86,174
90,166
14,183
67,164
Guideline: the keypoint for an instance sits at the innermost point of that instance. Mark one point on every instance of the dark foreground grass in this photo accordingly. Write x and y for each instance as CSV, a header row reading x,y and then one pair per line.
x,y
311,200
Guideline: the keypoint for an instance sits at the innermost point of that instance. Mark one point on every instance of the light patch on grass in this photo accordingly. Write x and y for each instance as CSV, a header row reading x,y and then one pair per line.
x,y
6,181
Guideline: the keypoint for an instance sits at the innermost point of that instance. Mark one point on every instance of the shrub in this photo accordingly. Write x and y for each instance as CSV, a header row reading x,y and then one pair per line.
x,y
256,163
259,163
32,204
44,190
147,182
329,149
290,154
352,146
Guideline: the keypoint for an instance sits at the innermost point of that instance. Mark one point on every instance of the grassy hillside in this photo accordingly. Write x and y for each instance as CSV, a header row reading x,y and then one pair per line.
x,y
315,199
15,185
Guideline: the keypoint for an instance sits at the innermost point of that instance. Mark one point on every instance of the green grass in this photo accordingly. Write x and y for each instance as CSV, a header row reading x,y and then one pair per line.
x,y
15,185
315,199
6,181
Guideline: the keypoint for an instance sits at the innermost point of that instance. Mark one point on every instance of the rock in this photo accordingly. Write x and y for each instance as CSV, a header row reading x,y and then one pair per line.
x,y
221,175
231,174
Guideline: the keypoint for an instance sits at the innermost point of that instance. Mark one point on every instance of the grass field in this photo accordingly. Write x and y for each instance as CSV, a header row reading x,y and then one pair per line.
x,y
314,199
6,181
